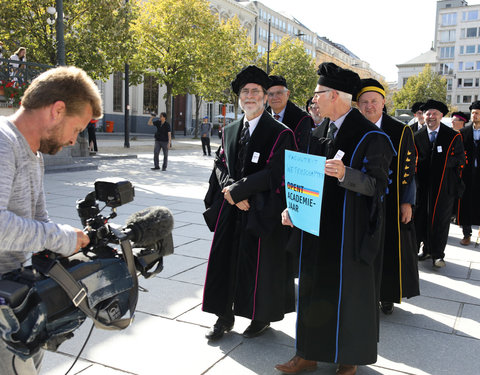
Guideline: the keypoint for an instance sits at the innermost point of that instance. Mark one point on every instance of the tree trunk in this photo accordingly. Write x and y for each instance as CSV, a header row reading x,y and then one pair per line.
x,y
198,104
168,105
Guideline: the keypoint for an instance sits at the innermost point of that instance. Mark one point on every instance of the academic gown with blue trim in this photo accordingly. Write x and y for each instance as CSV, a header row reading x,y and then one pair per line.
x,y
340,270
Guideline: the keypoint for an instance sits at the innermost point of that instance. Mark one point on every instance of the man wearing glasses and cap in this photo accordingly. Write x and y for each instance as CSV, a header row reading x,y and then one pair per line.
x,y
249,270
441,159
338,306
419,120
283,110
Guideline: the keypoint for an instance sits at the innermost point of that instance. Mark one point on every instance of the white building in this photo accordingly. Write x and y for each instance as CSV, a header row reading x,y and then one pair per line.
x,y
456,52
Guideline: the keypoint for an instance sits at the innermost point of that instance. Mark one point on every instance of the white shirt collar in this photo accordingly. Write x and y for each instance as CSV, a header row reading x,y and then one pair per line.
x,y
252,124
339,121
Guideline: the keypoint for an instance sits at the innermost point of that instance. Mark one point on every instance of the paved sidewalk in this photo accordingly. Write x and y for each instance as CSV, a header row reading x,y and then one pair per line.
x,y
435,333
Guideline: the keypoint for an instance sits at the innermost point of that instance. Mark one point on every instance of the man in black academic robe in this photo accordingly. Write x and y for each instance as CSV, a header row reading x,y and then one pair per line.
x,y
441,158
400,263
283,110
249,270
338,314
418,116
468,213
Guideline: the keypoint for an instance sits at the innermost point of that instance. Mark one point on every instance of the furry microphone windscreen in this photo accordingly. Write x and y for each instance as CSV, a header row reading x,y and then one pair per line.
x,y
150,225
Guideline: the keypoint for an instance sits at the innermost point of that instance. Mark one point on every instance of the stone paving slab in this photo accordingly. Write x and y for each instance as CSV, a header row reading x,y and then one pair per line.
x,y
436,333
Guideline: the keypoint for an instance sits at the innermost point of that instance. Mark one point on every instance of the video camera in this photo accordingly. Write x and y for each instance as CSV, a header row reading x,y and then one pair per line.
x,y
42,304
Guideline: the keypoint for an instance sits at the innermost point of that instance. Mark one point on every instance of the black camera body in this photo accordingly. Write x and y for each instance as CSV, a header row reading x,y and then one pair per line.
x,y
41,305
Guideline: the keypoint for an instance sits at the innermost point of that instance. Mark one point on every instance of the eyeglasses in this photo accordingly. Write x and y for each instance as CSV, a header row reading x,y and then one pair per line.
x,y
276,93
254,92
317,93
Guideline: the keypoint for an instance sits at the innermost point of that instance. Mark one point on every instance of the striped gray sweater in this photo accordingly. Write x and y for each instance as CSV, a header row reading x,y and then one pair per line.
x,y
24,223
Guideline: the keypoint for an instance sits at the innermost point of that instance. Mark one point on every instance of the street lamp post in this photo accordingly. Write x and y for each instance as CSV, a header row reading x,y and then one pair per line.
x,y
299,34
126,143
60,35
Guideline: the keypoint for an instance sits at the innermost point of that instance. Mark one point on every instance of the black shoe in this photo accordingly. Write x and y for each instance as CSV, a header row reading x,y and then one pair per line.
x,y
217,331
423,256
255,328
155,168
164,169
387,307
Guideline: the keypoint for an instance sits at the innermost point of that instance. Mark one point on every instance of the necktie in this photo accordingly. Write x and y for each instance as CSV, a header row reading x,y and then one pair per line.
x,y
245,135
331,130
242,150
433,136
276,117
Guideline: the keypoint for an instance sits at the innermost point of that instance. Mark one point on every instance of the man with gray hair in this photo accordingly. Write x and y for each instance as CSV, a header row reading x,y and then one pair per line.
x,y
55,108
338,297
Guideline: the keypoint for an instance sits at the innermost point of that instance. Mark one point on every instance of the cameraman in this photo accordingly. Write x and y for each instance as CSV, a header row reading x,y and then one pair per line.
x,y
55,108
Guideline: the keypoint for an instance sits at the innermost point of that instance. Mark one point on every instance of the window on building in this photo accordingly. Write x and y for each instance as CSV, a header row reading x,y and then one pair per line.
x,y
449,84
447,52
460,66
472,32
469,65
210,110
449,19
447,36
462,50
405,79
477,82
458,98
459,83
230,108
478,65
449,99
150,95
446,68
117,91
467,99
468,82
470,49
471,15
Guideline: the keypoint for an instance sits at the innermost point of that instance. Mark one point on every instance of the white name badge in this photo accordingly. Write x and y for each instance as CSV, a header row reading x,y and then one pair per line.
x,y
339,155
439,149
255,157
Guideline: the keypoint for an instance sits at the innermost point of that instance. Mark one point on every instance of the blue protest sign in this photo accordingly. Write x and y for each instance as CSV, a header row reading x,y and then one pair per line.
x,y
304,177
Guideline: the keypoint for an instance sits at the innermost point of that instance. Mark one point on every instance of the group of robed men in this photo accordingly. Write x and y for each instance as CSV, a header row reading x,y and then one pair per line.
x,y
366,252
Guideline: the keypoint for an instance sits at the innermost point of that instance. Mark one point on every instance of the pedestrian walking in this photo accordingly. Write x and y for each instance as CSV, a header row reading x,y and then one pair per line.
x,y
205,132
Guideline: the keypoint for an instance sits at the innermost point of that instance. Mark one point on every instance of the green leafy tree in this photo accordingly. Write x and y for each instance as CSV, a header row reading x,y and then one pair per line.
x,y
230,50
290,60
172,42
427,85
96,33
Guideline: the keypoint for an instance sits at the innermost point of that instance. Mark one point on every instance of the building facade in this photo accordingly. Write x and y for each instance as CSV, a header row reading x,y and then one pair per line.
x,y
265,26
456,52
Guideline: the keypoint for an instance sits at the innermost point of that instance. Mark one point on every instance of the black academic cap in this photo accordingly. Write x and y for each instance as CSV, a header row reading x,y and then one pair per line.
x,y
337,78
434,104
416,106
250,74
474,105
308,104
461,115
369,84
277,81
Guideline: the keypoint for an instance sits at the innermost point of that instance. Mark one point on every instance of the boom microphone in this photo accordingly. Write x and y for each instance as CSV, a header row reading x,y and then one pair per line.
x,y
147,227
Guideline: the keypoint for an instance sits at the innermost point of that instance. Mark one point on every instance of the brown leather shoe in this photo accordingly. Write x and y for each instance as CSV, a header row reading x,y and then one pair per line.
x,y
297,364
465,241
346,370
